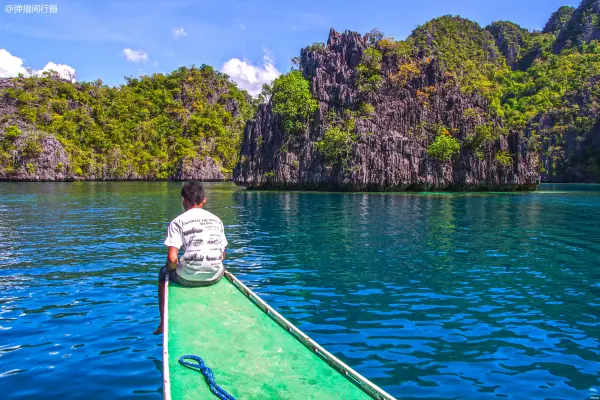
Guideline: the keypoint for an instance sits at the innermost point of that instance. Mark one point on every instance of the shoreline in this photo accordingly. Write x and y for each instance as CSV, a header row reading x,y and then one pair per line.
x,y
308,190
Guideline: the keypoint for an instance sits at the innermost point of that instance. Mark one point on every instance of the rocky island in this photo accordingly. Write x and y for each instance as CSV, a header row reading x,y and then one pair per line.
x,y
179,126
455,106
411,128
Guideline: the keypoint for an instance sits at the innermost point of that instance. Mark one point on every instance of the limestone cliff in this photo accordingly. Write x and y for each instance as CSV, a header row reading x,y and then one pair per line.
x,y
183,125
575,27
393,127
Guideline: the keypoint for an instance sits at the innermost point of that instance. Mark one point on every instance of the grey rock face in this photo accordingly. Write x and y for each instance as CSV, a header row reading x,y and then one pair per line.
x,y
582,26
38,157
570,156
559,20
510,39
199,169
391,150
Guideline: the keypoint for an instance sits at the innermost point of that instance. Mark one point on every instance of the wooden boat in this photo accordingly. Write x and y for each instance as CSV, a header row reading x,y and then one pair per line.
x,y
252,350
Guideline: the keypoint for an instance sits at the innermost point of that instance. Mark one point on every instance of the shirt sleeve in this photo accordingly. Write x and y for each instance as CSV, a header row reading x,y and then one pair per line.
x,y
224,241
174,235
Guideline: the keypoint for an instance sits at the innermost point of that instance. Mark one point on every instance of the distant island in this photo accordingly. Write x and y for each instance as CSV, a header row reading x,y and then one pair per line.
x,y
184,125
455,106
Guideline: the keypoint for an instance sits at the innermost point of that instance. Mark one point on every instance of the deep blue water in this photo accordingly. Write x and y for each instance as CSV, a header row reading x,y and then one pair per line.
x,y
472,296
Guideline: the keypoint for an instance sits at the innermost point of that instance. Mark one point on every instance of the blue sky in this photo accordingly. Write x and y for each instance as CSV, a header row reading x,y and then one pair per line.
x,y
91,36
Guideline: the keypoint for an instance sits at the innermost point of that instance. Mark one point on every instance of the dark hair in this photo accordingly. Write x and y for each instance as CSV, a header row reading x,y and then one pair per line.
x,y
193,192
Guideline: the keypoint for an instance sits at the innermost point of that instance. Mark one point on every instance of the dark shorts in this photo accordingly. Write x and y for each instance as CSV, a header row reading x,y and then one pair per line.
x,y
173,277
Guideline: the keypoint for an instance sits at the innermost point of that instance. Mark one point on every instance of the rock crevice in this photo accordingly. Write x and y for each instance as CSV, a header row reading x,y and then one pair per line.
x,y
390,150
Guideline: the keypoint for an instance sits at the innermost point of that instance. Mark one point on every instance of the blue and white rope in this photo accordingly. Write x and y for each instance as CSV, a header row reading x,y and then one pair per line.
x,y
207,372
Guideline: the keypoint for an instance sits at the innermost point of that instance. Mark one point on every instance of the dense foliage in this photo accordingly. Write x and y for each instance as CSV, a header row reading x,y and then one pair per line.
x,y
467,51
559,20
552,85
444,147
504,158
338,140
369,77
142,129
581,27
544,84
293,102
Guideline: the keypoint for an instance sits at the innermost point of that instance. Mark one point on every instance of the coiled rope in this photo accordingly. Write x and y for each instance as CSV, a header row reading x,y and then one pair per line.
x,y
208,374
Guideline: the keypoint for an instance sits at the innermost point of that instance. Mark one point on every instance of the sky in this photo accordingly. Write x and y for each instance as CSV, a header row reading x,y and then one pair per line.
x,y
252,41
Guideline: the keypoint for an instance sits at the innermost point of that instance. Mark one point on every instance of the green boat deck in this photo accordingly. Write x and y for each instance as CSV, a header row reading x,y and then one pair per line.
x,y
251,356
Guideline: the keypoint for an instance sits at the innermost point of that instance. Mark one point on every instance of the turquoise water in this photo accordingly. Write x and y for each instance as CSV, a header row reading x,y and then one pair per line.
x,y
468,296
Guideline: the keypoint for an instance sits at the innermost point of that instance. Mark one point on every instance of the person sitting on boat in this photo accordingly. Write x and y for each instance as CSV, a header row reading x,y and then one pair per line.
x,y
200,235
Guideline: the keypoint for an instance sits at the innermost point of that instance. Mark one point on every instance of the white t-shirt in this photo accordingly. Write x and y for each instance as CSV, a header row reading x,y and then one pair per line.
x,y
201,236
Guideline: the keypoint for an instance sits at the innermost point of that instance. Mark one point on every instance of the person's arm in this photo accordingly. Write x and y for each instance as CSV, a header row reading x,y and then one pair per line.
x,y
172,258
173,241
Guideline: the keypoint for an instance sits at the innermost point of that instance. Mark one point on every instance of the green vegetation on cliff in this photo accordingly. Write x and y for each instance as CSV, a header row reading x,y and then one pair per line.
x,y
444,146
559,20
293,102
555,84
369,77
581,27
338,140
466,50
543,84
142,129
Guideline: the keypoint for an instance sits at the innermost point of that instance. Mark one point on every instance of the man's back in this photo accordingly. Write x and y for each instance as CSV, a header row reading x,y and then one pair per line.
x,y
201,236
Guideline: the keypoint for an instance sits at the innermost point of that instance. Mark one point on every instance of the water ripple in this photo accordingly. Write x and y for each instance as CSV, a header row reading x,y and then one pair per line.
x,y
443,296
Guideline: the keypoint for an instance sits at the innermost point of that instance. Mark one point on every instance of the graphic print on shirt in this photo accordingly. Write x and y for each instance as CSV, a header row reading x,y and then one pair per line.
x,y
193,257
215,240
201,237
191,231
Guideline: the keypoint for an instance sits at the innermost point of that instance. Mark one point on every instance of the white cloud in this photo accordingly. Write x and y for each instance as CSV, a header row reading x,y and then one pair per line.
x,y
11,66
178,32
64,71
135,56
251,77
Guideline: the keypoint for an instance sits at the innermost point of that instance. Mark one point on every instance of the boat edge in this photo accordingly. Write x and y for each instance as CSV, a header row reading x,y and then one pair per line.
x,y
166,376
360,381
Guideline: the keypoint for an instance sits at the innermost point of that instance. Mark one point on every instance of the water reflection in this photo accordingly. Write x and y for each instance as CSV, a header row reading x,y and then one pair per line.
x,y
429,295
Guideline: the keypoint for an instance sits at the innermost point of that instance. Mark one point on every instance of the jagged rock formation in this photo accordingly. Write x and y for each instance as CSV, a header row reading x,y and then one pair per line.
x,y
390,152
514,105
37,157
582,27
454,106
559,20
200,169
510,39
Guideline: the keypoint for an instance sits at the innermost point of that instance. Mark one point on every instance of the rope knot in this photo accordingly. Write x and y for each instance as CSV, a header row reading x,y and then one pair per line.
x,y
207,372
